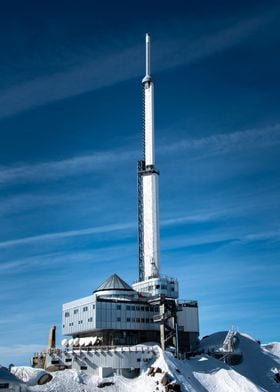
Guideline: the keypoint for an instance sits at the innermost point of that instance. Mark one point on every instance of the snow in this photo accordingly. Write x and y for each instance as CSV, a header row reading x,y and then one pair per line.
x,y
274,348
201,373
31,376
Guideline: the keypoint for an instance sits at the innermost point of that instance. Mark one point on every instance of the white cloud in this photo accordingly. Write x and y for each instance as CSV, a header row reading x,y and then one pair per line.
x,y
222,143
212,145
58,169
106,71
67,234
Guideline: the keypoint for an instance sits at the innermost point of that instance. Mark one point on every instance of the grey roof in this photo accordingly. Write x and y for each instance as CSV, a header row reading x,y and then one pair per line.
x,y
114,282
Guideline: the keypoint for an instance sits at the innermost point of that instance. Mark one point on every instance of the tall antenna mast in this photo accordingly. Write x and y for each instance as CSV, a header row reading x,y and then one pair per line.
x,y
148,210
148,61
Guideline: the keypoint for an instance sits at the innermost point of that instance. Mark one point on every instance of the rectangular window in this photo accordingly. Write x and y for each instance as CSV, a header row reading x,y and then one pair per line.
x,y
147,320
118,319
67,314
128,319
133,320
142,320
147,308
137,307
119,307
142,308
93,306
85,308
4,386
90,320
127,307
132,307
138,320
76,311
63,326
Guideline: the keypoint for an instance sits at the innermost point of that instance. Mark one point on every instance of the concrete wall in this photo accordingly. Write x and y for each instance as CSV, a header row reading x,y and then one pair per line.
x,y
113,360
188,319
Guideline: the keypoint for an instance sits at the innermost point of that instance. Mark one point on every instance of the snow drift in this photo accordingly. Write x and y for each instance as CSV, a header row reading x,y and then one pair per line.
x,y
202,373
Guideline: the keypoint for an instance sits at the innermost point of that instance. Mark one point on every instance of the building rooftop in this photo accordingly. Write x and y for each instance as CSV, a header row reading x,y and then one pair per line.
x,y
114,282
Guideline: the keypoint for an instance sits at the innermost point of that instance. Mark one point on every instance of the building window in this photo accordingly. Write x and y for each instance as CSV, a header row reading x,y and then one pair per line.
x,y
133,320
147,320
67,314
138,320
142,308
118,319
164,287
63,326
85,308
127,307
80,322
93,306
76,311
147,308
90,320
142,320
119,307
151,320
137,307
132,307
128,319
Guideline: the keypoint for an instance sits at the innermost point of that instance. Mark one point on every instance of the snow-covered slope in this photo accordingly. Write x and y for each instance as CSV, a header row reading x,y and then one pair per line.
x,y
198,374
273,348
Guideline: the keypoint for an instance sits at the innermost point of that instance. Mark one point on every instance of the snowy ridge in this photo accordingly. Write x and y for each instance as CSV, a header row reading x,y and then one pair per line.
x,y
202,373
274,348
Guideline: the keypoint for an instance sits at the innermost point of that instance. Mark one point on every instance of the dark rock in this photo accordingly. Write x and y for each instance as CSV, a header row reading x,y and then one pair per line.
x,y
105,384
165,379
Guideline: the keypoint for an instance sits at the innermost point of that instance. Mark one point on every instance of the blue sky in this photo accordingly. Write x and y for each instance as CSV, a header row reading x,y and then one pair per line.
x,y
71,132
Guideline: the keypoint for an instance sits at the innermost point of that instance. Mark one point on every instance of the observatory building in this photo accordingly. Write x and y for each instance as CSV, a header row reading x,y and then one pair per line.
x,y
149,310
117,313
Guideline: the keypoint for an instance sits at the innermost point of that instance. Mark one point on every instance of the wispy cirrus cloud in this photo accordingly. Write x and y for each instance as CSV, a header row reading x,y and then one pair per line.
x,y
93,74
206,146
222,143
59,169
67,234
